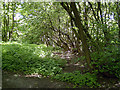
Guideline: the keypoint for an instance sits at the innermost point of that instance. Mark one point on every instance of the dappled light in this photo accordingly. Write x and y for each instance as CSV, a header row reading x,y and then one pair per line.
x,y
60,44
34,75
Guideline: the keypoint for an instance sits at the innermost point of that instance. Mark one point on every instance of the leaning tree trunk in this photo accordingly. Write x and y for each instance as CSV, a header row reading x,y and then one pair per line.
x,y
72,9
81,33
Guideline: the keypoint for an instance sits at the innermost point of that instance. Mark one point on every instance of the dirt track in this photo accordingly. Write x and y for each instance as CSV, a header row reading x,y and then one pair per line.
x,y
10,80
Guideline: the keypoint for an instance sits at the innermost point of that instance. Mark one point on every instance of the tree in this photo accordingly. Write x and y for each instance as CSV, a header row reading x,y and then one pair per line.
x,y
8,20
77,20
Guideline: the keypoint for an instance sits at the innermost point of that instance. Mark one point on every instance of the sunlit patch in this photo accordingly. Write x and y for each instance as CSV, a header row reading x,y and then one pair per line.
x,y
82,66
7,79
27,59
34,75
52,55
42,55
76,64
38,46
16,75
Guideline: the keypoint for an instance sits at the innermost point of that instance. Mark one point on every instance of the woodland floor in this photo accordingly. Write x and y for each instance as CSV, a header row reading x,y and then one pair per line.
x,y
11,80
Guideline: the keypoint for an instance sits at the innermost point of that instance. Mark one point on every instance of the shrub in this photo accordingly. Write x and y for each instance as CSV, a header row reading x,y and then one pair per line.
x,y
107,62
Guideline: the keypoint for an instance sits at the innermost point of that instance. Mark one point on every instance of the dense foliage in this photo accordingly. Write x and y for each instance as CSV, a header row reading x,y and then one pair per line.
x,y
89,30
79,79
107,62
30,59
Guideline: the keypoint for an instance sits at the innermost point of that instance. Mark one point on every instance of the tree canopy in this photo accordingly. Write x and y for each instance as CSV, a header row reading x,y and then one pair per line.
x,y
80,27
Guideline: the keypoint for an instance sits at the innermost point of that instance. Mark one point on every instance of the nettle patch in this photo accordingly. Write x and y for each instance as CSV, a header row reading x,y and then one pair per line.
x,y
30,59
79,79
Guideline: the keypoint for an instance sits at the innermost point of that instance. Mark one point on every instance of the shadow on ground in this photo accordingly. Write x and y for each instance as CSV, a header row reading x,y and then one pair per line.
x,y
10,80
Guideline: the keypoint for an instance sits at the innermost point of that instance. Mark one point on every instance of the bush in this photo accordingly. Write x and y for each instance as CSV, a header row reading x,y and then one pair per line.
x,y
29,59
107,62
79,79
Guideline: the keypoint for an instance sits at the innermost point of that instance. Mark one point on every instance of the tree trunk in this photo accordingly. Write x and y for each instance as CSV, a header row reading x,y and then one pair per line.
x,y
4,33
81,33
11,32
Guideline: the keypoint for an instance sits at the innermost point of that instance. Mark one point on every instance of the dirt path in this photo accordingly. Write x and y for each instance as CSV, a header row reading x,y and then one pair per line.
x,y
72,63
10,80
